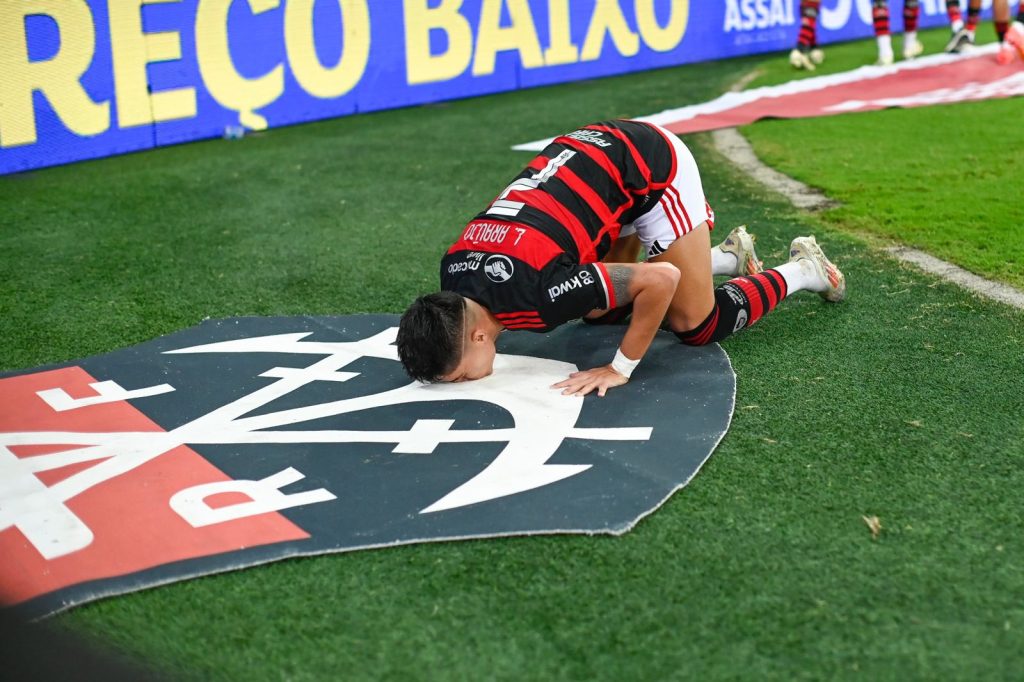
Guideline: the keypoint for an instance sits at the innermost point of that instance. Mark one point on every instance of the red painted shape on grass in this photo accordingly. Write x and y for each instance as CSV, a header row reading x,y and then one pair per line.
x,y
132,524
948,80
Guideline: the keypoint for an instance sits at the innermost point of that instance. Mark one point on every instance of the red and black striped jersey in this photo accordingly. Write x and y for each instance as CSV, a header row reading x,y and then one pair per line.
x,y
531,256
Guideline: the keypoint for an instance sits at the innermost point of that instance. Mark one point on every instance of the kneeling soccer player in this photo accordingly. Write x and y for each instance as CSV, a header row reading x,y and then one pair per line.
x,y
533,260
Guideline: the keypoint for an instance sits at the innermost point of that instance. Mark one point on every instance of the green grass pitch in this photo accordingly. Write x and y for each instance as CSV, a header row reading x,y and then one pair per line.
x,y
904,403
945,179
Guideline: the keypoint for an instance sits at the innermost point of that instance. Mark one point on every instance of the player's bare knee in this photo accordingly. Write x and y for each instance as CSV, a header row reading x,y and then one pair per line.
x,y
667,275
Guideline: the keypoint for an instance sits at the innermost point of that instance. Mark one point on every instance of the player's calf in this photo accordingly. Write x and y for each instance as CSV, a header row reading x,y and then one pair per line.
x,y
742,301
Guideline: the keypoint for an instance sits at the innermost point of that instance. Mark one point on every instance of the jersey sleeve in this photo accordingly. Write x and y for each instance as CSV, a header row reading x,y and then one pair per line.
x,y
568,291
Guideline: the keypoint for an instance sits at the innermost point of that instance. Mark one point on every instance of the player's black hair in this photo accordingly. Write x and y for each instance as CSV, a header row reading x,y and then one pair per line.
x,y
430,335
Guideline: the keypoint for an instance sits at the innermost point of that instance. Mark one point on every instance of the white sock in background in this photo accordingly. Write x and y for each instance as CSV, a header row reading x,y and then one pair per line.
x,y
884,46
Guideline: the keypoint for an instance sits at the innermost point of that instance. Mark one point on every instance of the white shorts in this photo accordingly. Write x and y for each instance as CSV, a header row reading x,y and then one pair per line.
x,y
682,206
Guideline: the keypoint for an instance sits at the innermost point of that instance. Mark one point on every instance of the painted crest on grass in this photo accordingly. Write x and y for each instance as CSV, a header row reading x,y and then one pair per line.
x,y
248,440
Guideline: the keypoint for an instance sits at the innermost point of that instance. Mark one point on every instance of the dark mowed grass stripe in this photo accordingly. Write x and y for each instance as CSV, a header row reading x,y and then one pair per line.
x,y
901,403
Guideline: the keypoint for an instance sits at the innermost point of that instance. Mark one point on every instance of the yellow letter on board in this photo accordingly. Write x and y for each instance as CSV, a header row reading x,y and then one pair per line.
x,y
132,49
658,38
491,38
314,77
58,78
561,49
420,65
226,85
608,18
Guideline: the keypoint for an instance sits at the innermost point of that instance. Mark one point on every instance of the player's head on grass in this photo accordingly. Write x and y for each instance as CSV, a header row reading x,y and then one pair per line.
x,y
445,337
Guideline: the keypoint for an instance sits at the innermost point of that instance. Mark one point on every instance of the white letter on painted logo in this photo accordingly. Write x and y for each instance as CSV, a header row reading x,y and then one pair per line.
x,y
264,496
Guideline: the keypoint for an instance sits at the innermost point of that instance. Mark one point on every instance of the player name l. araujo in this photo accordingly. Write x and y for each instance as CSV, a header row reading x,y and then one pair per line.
x,y
491,233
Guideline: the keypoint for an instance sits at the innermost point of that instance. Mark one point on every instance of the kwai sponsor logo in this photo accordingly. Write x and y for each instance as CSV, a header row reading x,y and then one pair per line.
x,y
581,279
247,440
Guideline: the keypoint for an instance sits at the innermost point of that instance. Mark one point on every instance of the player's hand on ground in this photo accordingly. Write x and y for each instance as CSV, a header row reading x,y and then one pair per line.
x,y
599,379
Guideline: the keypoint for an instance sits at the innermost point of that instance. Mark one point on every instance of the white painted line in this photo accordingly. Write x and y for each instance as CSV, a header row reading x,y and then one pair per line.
x,y
997,291
735,147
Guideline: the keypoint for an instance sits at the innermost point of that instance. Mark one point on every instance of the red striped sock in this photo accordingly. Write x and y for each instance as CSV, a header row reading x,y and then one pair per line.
x,y
880,15
911,14
808,24
1001,28
953,11
739,303
973,17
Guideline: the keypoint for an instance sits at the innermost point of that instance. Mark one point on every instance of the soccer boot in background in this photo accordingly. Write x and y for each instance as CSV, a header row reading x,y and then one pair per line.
x,y
912,48
800,59
740,243
960,41
1015,37
835,281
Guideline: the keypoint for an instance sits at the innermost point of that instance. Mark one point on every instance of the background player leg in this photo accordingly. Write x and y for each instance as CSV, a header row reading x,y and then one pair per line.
x,y
1001,20
880,17
912,47
1015,34
806,54
963,34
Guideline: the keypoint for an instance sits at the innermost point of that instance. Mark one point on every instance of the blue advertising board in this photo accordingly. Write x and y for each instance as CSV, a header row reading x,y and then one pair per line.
x,y
81,79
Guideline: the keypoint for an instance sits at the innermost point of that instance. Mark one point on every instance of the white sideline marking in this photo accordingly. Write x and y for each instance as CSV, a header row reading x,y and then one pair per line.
x,y
733,146
997,291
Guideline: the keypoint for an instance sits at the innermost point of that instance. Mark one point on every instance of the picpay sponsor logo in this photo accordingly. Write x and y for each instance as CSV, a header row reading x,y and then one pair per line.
x,y
499,268
594,137
581,279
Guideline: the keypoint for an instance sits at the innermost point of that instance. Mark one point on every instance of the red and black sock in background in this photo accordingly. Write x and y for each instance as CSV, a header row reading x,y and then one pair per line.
x,y
880,15
1001,28
1020,13
953,11
973,16
808,24
739,303
911,14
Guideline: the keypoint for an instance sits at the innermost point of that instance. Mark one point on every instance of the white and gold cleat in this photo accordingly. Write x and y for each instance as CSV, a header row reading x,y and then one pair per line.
x,y
740,243
912,48
800,60
835,281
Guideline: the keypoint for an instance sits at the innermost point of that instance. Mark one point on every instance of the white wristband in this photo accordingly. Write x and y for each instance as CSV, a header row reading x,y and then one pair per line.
x,y
624,365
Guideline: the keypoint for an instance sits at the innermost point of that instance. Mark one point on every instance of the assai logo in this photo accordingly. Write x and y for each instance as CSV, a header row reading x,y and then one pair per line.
x,y
499,268
750,15
248,440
